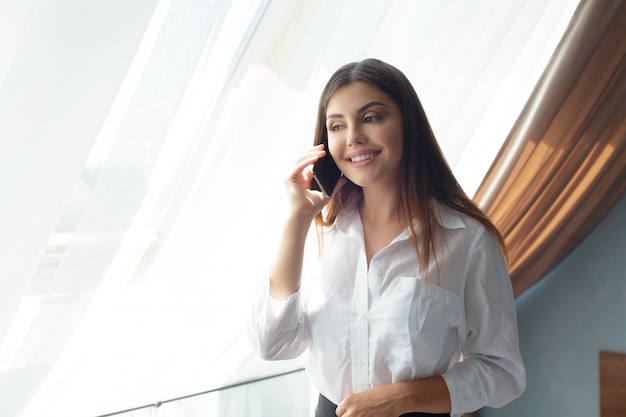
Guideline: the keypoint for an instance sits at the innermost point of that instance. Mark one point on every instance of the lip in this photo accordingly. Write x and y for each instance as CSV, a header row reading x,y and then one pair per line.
x,y
369,155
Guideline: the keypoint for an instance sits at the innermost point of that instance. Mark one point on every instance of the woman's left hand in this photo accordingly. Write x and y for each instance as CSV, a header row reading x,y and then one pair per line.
x,y
427,395
377,402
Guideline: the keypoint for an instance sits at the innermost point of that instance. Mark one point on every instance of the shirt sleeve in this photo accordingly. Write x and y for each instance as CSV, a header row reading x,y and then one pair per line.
x,y
276,328
492,371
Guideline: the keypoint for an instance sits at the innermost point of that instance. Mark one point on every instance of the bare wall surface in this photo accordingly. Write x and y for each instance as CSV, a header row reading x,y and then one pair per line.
x,y
574,312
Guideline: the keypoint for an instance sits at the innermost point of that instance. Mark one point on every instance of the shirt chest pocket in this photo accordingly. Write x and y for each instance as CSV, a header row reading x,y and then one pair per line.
x,y
416,321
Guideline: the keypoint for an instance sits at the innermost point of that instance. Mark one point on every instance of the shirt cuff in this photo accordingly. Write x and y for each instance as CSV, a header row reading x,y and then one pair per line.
x,y
277,306
276,315
467,392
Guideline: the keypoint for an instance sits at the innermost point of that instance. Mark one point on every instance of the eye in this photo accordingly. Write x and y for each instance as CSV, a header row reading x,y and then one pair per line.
x,y
334,127
371,117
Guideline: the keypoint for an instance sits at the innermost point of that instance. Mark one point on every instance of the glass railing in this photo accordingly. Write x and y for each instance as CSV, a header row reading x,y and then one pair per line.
x,y
287,394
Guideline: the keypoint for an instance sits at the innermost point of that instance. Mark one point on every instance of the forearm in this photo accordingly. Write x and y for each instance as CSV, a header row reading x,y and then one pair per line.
x,y
428,395
286,272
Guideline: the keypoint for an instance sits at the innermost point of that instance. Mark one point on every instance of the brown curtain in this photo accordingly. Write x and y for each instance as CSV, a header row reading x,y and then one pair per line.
x,y
563,166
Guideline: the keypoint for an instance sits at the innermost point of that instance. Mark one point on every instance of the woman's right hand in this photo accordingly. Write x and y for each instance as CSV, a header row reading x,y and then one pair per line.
x,y
303,200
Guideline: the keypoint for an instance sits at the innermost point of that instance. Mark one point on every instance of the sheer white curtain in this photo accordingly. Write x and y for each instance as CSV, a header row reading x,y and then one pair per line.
x,y
142,150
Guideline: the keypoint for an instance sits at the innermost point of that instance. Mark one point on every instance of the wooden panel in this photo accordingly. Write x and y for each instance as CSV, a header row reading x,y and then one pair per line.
x,y
612,384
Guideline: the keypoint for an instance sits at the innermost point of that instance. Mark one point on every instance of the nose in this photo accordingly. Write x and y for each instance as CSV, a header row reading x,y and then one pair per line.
x,y
355,135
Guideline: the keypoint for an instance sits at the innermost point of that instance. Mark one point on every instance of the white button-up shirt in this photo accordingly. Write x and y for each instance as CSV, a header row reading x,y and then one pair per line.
x,y
393,321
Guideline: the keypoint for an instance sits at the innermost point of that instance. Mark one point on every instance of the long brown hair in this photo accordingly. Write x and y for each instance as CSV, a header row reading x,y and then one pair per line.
x,y
426,175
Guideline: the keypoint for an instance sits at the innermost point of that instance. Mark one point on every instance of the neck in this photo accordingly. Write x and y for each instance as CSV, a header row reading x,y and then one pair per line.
x,y
381,206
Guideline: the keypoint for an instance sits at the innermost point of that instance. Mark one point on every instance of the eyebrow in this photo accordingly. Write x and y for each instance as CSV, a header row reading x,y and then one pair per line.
x,y
360,110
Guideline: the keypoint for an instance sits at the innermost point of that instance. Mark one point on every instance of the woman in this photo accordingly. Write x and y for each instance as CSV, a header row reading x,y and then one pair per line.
x,y
410,309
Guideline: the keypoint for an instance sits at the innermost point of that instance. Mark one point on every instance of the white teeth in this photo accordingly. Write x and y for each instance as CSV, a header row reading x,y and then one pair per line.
x,y
362,157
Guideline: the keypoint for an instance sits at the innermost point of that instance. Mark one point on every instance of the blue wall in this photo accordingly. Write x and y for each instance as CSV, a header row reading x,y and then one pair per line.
x,y
565,320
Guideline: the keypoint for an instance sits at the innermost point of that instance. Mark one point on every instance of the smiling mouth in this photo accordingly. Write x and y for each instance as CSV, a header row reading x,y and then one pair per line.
x,y
361,158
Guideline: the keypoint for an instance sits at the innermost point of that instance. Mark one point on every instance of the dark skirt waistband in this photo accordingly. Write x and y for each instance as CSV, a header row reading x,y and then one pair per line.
x,y
326,408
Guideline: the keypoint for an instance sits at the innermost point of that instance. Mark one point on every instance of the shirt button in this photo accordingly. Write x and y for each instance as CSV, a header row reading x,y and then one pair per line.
x,y
359,363
360,316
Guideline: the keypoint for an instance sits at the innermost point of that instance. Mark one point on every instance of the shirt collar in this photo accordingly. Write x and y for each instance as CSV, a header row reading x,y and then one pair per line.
x,y
348,220
448,217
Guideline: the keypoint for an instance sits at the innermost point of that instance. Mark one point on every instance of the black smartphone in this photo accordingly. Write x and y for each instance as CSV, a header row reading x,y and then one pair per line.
x,y
326,173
